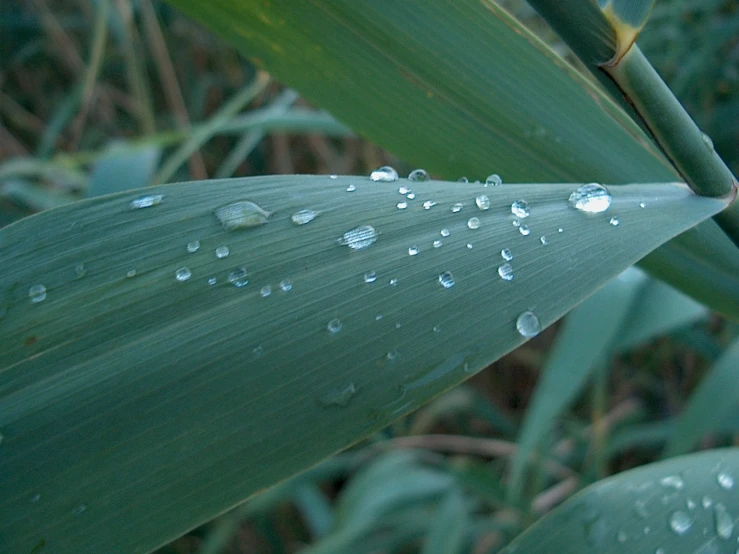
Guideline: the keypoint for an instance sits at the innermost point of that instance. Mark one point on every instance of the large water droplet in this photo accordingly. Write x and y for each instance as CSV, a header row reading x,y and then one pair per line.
x,y
413,250
473,223
456,208
286,285
506,255
265,291
672,482
37,293
193,246
418,175
370,277
444,232
334,326
725,481
429,204
238,277
506,272
182,274
222,252
359,238
146,201
680,522
592,198
520,208
241,215
351,188
384,174
614,221
402,205
411,196
301,217
483,202
724,522
494,180
446,280
524,230
438,243
528,324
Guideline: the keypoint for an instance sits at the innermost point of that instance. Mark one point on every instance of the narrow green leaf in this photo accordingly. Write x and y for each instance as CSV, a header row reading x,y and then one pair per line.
x,y
686,504
714,400
123,169
447,530
139,400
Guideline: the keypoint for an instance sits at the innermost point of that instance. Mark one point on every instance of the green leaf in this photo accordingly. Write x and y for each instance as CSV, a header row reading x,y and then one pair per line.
x,y
680,505
708,407
447,530
123,169
137,406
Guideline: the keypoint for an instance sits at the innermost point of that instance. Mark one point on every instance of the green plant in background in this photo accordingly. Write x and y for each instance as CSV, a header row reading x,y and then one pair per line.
x,y
169,352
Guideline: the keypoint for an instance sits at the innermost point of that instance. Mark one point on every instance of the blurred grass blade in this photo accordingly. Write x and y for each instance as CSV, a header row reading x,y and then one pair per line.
x,y
644,510
713,401
447,530
124,168
144,391
585,339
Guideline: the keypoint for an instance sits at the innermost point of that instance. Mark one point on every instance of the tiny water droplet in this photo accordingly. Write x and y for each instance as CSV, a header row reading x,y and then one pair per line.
x,y
483,202
80,270
301,217
621,536
370,277
35,498
516,223
544,240
351,188
146,201
614,221
436,329
707,141
706,502
404,190
659,551
222,252
640,507
79,509
193,246
359,238
642,205
446,280
333,176
413,250
131,273
334,326
506,272
591,198
463,180
37,293
339,396
506,255
560,230
456,208
182,274
258,351
672,482
384,174
680,522
402,205
470,246
444,232
494,180
520,208
429,204
438,243
725,481
724,522
528,324
690,504
393,282
418,175
392,355
212,281
524,230
238,277
411,196
473,223
241,215
286,285
378,317
265,291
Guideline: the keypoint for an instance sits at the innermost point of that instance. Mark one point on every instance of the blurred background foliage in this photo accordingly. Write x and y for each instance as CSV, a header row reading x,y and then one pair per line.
x,y
100,96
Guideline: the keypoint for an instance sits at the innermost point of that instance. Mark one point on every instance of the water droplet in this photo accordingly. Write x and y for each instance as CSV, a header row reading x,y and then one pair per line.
x,y
436,329
707,141
690,504
724,522
621,536
672,482
516,223
351,188
146,201
463,180
265,291
614,221
470,246
398,325
37,293
286,285
438,243
494,180
642,205
241,215
725,481
193,246
238,277
640,507
524,230
222,252
456,208
182,274
413,250
429,204
506,255
520,208
506,272
411,196
706,502
659,551
483,202
370,277
334,326
444,232
446,280
212,281
592,198
680,522
131,273
301,217
404,190
402,205
258,351
339,396
544,240
384,174
473,223
80,270
528,324
359,238
560,230
79,509
35,498
333,176
393,282
418,175
378,317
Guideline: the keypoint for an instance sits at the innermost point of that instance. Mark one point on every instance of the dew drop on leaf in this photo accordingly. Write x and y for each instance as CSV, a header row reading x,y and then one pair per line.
x,y
494,180
483,202
524,230
446,280
286,285
418,175
334,326
301,217
370,277
680,522
473,223
591,198
222,252
241,215
193,246
384,174
183,274
444,232
37,293
520,208
413,251
456,208
506,255
528,324
506,272
238,277
359,238
146,201
265,291
725,481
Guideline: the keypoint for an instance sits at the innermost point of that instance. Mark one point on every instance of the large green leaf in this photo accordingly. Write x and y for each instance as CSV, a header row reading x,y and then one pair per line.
x,y
462,89
135,405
